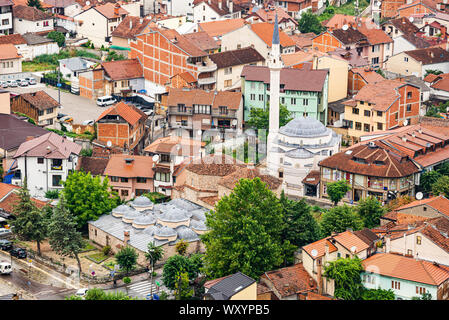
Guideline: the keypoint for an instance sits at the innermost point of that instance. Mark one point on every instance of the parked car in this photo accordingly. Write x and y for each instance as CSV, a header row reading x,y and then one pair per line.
x,y
12,83
60,115
5,267
31,80
3,84
82,292
88,122
22,83
18,253
5,245
4,232
106,101
66,119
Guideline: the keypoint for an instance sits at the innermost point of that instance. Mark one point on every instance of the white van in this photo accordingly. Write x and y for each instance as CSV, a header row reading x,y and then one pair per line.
x,y
105,101
5,268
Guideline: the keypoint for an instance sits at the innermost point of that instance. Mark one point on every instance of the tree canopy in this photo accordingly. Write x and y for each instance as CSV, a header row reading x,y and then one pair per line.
x,y
58,37
337,190
339,219
370,210
126,258
245,231
346,274
428,179
88,197
260,118
35,3
309,23
176,265
441,186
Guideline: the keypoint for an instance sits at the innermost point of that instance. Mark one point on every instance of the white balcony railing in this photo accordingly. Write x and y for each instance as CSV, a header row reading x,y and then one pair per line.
x,y
203,81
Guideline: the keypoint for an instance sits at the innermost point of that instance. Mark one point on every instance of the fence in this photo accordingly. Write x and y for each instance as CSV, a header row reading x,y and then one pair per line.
x,y
135,99
54,83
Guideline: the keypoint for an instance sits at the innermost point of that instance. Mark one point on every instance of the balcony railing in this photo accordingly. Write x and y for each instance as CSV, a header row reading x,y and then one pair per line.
x,y
203,81
58,168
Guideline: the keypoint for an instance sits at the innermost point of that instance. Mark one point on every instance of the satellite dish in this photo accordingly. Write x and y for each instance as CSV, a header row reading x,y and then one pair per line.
x,y
87,3
419,196
234,122
353,249
345,27
405,122
109,143
411,19
314,253
155,157
199,132
377,3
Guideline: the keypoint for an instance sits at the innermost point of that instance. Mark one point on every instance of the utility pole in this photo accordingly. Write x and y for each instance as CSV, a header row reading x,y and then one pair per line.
x,y
59,87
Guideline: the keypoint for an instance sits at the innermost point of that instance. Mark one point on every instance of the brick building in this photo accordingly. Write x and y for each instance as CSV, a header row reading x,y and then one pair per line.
x,y
39,106
92,83
123,125
359,77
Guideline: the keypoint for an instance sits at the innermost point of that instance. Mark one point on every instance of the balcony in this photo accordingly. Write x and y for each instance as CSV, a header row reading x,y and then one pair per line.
x,y
56,168
176,111
204,81
203,67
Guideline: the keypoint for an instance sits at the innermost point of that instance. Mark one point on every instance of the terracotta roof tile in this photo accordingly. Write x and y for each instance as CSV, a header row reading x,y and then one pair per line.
x,y
429,55
313,177
127,111
290,280
349,36
8,203
212,200
232,179
29,13
123,69
401,267
50,146
265,31
182,42
382,93
375,36
8,51
123,30
224,10
141,166
202,40
237,57
94,165
319,246
219,28
303,39
339,20
108,10
14,39
189,97
369,75
175,145
441,82
214,165
440,203
40,100
6,189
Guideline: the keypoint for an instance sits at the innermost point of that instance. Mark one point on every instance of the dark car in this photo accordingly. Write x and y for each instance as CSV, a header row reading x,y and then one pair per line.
x,y
18,253
5,245
60,115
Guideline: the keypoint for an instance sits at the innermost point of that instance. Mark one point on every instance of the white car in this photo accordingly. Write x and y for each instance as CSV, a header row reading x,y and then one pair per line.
x,y
88,122
4,232
82,292
106,101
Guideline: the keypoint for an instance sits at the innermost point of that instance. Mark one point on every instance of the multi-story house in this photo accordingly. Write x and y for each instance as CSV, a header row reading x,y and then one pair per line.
x,y
130,175
165,53
6,17
10,59
195,109
296,8
45,162
98,22
214,10
127,30
380,46
346,244
68,8
122,77
230,65
30,19
372,169
405,276
416,62
38,105
171,153
348,37
381,106
359,77
267,14
122,125
216,29
258,36
303,92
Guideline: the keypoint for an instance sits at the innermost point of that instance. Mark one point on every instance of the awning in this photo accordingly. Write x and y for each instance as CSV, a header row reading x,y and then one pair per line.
x,y
120,48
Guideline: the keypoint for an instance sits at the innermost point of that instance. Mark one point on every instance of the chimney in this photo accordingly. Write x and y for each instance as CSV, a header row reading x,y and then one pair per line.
x,y
130,24
318,276
116,9
220,5
231,6
387,243
125,237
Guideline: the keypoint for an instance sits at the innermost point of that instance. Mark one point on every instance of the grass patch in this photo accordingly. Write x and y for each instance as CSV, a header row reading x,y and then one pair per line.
x,y
155,197
98,257
88,247
51,61
110,265
348,9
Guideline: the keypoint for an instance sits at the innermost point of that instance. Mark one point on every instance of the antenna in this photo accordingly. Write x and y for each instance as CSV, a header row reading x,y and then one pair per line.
x,y
419,196
155,158
353,249
109,144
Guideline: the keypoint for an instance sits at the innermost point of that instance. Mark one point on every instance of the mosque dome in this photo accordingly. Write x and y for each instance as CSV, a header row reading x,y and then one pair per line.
x,y
186,233
174,215
304,127
141,202
121,210
165,232
144,220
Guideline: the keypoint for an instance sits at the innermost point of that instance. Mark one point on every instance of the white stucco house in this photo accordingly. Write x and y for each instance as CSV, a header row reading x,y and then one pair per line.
x,y
214,10
30,19
44,162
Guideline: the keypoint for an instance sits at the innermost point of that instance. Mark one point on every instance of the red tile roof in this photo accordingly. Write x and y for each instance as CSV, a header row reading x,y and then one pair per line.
x,y
401,267
232,179
130,27
130,113
265,31
189,97
319,246
141,166
29,13
214,165
50,146
6,189
381,94
202,40
182,42
368,74
123,69
8,51
108,10
41,100
375,36
440,203
219,28
313,177
14,39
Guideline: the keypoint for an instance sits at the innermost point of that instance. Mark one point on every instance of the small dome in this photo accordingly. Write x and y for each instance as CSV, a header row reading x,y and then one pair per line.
x,y
198,225
144,220
121,210
300,153
183,204
131,215
174,215
304,127
165,232
199,214
150,230
186,233
141,201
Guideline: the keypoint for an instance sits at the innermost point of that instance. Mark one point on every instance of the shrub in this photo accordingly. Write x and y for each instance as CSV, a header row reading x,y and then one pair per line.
x,y
127,280
106,250
52,194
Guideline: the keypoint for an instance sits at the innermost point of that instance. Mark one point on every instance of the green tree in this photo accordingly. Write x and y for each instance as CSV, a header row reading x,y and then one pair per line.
x,y
154,253
126,258
260,118
182,291
35,3
88,197
181,247
443,168
370,210
245,231
424,296
173,266
309,23
441,186
63,236
95,294
337,190
339,219
58,37
300,226
378,294
430,71
30,224
428,179
346,275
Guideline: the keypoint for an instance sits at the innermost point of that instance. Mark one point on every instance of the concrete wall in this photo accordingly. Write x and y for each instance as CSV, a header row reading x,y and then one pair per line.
x,y
23,26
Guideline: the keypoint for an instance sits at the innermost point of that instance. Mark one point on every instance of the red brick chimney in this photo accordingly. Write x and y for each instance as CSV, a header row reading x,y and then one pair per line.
x,y
116,9
125,238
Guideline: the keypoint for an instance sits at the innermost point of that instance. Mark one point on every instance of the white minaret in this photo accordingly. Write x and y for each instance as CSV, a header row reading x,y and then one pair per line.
x,y
275,65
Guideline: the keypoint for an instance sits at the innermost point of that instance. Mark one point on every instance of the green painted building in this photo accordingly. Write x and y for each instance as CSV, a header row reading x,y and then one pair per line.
x,y
303,92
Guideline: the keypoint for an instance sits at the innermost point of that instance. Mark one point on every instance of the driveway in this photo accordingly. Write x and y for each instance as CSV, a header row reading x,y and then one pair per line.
x,y
79,108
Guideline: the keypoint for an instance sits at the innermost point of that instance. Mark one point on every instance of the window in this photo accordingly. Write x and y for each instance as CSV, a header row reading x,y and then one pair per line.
x,y
228,83
367,113
409,95
409,107
293,100
40,112
305,102
252,96
379,113
164,177
124,193
409,252
56,164
405,59
114,179
50,111
355,110
366,127
283,100
260,97
375,60
418,239
281,174
165,158
228,70
141,180
358,126
182,107
395,285
223,110
380,126
123,179
203,109
420,290
56,180
396,116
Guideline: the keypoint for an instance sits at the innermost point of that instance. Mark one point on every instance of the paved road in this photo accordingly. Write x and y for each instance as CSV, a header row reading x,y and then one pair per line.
x,y
79,108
